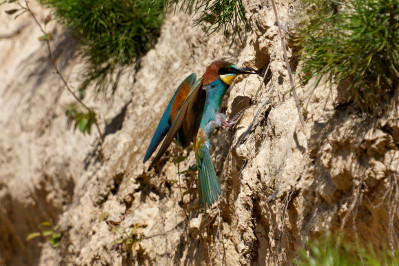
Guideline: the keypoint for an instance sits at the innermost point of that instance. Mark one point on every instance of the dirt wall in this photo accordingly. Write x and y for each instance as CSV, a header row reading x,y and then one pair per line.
x,y
281,182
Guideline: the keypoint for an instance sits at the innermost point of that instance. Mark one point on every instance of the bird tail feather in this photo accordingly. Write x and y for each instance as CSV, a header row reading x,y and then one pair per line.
x,y
209,185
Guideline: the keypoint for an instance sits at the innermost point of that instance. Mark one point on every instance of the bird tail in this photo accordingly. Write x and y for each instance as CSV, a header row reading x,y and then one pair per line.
x,y
208,185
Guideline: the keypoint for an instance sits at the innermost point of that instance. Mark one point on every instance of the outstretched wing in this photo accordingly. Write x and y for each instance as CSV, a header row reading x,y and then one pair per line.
x,y
168,116
177,122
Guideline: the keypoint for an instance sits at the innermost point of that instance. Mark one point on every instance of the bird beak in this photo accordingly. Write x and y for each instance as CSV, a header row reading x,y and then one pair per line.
x,y
247,70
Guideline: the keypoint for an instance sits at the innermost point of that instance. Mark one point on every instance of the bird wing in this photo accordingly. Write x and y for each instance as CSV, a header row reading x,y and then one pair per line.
x,y
167,118
187,105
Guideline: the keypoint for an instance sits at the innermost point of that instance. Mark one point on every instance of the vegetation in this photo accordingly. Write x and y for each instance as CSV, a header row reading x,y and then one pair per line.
x,y
354,42
82,115
48,231
117,33
332,251
80,118
226,15
129,239
113,33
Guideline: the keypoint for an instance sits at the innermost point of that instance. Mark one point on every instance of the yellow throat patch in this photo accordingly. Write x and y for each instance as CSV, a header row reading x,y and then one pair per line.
x,y
228,79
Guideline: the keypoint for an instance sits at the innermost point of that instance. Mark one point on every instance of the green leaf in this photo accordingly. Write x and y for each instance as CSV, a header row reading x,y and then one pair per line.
x,y
134,230
48,232
180,159
83,125
33,235
56,235
119,241
55,242
46,224
45,37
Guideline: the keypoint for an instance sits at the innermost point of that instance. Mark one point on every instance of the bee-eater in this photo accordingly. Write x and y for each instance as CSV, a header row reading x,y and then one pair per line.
x,y
191,115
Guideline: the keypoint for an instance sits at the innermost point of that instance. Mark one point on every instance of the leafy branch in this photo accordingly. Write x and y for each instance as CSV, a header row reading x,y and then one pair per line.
x,y
83,121
86,119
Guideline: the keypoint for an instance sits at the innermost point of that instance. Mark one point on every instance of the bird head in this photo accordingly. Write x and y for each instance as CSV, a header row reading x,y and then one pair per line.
x,y
226,71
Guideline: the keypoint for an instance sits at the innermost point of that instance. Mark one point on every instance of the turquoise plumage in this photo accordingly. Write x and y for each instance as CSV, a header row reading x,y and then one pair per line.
x,y
209,189
191,115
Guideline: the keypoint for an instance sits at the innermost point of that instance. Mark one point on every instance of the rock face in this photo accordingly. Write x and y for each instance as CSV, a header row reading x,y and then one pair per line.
x,y
281,183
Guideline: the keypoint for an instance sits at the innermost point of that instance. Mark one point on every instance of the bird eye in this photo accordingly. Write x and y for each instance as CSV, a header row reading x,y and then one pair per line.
x,y
230,70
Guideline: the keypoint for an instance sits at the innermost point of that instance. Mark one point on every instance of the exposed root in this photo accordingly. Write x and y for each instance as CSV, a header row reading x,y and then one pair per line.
x,y
218,236
286,202
265,102
357,198
297,102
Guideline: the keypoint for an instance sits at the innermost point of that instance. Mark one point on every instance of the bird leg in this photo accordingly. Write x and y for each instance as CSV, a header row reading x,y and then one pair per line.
x,y
232,121
219,119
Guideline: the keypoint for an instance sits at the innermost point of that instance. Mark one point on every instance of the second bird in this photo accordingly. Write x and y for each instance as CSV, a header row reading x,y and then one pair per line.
x,y
191,115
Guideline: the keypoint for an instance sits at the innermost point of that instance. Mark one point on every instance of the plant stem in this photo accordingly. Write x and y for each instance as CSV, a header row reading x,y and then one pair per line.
x,y
288,66
27,8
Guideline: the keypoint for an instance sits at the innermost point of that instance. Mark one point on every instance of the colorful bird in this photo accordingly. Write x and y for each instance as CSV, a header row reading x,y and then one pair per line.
x,y
191,115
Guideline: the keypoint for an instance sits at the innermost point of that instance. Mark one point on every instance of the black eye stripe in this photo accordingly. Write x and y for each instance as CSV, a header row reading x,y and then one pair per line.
x,y
227,70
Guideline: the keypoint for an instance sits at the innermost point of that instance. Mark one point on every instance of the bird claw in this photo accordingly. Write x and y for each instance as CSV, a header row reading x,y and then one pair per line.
x,y
232,121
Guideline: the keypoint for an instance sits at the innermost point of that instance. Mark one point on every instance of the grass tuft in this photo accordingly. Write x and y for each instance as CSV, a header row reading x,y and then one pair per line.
x,y
331,250
225,15
113,33
353,43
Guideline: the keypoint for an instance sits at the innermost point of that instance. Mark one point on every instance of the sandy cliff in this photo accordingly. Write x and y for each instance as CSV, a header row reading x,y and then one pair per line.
x,y
281,183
